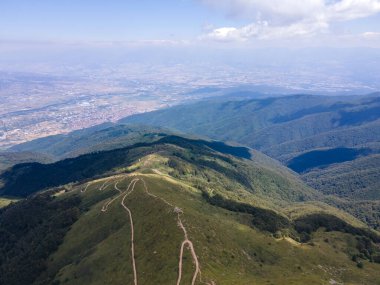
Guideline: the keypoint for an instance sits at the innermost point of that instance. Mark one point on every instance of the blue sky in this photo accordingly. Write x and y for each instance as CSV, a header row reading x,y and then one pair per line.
x,y
105,20
244,22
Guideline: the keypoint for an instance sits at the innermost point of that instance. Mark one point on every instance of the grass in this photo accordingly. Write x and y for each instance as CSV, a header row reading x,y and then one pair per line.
x,y
6,201
97,248
298,210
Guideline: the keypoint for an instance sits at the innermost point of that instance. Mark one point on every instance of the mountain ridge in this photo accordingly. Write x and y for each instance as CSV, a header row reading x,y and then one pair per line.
x,y
217,231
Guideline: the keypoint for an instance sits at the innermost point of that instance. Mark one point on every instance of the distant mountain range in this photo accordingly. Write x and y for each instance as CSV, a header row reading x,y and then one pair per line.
x,y
328,136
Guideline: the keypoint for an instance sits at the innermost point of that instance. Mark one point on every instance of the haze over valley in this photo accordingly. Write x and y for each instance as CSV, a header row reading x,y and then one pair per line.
x,y
59,97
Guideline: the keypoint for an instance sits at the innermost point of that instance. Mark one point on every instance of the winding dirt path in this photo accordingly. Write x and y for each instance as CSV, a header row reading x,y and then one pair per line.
x,y
105,206
155,196
105,185
85,189
185,243
190,245
132,233
128,191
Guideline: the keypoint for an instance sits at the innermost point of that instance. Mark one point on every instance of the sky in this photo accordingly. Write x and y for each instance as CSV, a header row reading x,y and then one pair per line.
x,y
250,23
336,39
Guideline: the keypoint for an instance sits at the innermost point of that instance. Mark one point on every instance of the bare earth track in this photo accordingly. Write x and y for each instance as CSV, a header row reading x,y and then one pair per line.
x,y
186,242
105,208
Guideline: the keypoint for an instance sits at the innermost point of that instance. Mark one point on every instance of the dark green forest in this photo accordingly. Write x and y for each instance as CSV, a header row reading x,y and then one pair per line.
x,y
30,231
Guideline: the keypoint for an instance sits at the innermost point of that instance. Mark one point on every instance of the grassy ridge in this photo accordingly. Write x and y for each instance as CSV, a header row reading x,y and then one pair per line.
x,y
24,179
6,201
249,229
259,181
230,251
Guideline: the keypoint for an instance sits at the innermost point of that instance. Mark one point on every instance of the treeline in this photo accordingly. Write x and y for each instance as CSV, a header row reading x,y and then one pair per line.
x,y
263,219
312,222
196,157
30,231
24,179
367,241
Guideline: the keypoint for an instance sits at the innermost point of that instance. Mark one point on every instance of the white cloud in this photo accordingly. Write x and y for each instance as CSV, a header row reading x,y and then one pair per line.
x,y
278,19
225,34
371,35
352,9
274,10
262,30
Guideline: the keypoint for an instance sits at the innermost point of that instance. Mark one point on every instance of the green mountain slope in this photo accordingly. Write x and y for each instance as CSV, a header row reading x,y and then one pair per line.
x,y
262,123
181,211
24,179
290,129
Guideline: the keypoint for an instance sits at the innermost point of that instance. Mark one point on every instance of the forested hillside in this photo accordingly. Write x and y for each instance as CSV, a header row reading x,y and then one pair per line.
x,y
327,136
